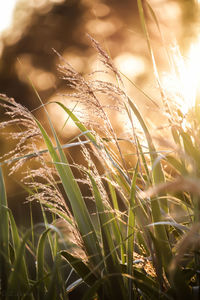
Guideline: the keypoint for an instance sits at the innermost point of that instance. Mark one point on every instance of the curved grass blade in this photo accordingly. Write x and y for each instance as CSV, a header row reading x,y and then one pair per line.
x,y
146,286
180,227
130,233
40,264
55,285
158,177
43,286
190,149
4,235
73,193
160,32
35,154
80,267
178,166
92,138
117,287
117,226
18,282
107,240
145,164
74,285
82,128
157,171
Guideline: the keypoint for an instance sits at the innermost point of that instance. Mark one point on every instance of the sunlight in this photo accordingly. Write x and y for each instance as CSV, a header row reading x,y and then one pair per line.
x,y
181,85
130,65
65,126
6,13
192,76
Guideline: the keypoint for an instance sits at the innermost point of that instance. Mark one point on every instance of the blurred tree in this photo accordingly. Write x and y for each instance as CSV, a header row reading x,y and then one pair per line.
x,y
53,28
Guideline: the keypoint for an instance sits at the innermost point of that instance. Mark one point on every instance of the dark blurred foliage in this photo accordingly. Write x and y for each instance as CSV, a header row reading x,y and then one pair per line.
x,y
54,29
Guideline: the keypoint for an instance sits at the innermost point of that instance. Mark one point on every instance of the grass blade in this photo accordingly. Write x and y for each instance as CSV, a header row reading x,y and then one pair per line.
x,y
40,264
73,193
81,268
130,233
4,235
158,177
112,264
18,282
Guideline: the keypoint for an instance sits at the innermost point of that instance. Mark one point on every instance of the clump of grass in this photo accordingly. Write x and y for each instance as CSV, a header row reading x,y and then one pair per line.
x,y
142,251
25,271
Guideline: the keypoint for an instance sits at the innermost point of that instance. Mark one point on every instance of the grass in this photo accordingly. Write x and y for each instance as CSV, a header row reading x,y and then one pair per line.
x,y
141,251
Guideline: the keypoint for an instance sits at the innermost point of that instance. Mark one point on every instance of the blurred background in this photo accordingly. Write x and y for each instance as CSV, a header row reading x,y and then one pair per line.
x,y
31,29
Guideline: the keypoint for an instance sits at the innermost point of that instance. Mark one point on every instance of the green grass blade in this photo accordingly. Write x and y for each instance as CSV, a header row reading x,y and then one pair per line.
x,y
73,193
158,177
158,174
36,154
107,240
4,235
117,226
4,228
82,128
112,262
130,232
144,27
92,138
18,282
54,288
113,194
148,286
145,164
40,263
80,267
178,166
190,149
160,33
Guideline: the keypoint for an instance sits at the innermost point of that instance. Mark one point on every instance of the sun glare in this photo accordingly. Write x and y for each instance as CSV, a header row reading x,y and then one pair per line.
x,y
190,76
130,65
182,85
6,13
192,79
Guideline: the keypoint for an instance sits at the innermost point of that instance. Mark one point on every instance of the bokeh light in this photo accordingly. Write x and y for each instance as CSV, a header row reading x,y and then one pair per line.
x,y
6,13
130,65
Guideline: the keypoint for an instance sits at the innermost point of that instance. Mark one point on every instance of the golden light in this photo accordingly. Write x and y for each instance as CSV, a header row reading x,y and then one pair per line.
x,y
75,58
130,65
192,77
101,27
62,123
181,85
41,79
101,10
6,13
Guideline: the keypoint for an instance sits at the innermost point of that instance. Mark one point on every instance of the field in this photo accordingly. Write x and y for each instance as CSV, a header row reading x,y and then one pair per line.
x,y
135,234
